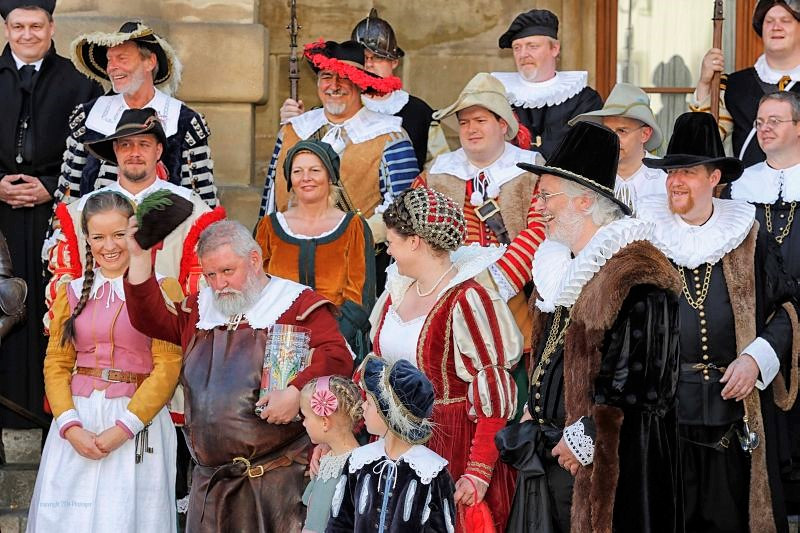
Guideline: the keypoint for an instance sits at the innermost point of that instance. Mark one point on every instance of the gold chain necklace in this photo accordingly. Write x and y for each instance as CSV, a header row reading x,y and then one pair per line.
x,y
787,229
696,302
554,338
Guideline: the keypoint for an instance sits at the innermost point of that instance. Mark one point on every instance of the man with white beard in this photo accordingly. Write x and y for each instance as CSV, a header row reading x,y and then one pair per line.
x,y
601,407
543,98
144,71
736,317
249,475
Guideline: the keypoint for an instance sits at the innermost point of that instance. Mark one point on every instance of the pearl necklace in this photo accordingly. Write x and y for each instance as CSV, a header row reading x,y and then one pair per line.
x,y
438,281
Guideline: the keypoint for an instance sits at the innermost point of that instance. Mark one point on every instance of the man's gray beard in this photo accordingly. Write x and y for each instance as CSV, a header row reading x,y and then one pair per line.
x,y
334,108
237,302
136,81
567,228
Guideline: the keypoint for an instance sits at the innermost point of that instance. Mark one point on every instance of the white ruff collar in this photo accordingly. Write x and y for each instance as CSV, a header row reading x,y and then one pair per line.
x,y
560,279
530,94
106,112
503,170
691,246
388,106
361,127
426,463
762,184
770,75
469,261
278,295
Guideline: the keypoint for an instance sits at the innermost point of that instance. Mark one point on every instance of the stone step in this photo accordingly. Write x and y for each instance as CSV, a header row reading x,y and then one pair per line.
x,y
18,476
13,522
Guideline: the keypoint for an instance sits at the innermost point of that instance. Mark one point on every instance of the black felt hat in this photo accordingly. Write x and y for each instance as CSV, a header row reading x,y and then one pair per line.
x,y
7,6
534,22
132,122
696,141
158,215
760,12
588,155
403,395
323,150
346,59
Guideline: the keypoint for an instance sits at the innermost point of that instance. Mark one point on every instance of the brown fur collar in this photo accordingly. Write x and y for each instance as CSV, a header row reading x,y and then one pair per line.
x,y
594,312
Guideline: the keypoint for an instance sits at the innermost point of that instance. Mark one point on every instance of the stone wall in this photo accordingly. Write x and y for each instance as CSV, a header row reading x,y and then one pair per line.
x,y
228,48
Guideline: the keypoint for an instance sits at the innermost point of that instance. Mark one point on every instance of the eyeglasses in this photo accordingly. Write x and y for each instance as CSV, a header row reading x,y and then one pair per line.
x,y
772,122
544,196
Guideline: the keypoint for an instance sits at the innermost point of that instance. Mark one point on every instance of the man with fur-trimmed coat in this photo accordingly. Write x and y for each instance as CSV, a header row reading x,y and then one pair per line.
x,y
601,409
738,323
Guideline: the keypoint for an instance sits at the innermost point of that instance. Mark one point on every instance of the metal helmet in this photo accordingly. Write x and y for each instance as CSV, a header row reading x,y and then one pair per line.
x,y
377,36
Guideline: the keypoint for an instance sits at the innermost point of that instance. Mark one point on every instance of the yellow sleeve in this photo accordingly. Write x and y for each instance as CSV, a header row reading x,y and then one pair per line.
x,y
157,389
60,360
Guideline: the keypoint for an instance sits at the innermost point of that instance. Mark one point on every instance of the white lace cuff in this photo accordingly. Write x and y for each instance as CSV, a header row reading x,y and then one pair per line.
x,y
131,421
504,287
579,443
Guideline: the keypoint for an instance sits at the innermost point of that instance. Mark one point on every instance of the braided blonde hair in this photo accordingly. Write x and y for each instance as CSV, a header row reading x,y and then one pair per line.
x,y
347,393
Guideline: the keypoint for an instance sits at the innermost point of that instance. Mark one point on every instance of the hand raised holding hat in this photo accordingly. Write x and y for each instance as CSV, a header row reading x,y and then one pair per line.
x,y
140,266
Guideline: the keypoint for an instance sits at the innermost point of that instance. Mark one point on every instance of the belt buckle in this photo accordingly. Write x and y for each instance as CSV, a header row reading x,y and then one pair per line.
x,y
256,471
105,374
487,210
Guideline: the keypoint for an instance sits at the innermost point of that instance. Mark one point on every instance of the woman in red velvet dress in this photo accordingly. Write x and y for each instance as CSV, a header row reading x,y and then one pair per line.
x,y
437,314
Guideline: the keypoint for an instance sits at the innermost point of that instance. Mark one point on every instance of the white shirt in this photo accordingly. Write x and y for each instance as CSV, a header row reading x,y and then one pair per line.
x,y
20,63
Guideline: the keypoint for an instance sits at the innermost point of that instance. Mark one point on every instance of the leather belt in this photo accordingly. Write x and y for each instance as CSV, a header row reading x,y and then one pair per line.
x,y
489,214
113,375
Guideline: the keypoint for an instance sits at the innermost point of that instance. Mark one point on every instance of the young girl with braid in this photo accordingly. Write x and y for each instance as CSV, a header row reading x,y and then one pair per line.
x,y
109,459
331,408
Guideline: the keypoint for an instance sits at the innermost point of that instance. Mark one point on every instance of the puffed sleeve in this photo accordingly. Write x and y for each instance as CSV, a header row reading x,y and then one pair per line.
x,y
58,364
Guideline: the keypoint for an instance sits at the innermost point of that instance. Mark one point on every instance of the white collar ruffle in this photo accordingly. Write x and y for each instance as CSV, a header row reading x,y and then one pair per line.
x,y
425,462
469,261
503,170
277,296
157,185
361,127
106,112
559,278
529,94
770,75
762,184
390,105
690,246
98,290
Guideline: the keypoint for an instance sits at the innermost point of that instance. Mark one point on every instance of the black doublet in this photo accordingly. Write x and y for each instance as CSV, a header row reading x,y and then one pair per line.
x,y
417,117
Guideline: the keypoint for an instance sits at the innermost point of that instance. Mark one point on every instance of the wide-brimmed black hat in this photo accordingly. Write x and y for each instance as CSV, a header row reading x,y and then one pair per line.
x,y
534,22
89,54
377,36
403,395
588,155
7,6
760,12
323,150
346,59
158,214
132,122
696,141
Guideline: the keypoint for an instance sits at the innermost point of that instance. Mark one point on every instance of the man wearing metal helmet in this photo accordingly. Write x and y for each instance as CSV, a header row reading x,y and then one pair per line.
x,y
777,22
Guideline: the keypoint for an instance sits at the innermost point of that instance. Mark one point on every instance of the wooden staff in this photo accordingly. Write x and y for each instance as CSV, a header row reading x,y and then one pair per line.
x,y
718,19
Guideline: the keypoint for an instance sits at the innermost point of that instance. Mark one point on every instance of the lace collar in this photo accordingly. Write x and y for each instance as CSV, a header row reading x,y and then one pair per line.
x,y
330,466
278,295
770,75
361,127
561,87
763,184
469,261
559,279
503,170
390,105
425,463
157,185
105,114
690,246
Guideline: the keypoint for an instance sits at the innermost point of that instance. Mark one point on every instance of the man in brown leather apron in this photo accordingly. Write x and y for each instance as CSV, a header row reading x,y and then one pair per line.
x,y
249,476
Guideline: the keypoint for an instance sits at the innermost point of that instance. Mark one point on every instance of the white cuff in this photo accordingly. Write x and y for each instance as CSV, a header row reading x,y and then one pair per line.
x,y
67,417
504,287
131,421
579,443
766,359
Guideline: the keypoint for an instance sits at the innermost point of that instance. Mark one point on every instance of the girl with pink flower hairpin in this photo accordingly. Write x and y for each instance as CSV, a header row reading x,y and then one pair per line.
x,y
332,408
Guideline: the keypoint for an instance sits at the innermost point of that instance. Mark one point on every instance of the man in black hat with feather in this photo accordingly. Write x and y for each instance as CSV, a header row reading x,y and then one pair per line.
x,y
543,98
597,450
738,335
38,90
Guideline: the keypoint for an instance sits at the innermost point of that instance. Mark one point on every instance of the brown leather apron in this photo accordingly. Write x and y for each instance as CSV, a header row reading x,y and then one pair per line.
x,y
249,476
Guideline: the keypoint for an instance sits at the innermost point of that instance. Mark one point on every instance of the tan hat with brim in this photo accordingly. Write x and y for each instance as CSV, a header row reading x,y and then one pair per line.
x,y
627,101
486,91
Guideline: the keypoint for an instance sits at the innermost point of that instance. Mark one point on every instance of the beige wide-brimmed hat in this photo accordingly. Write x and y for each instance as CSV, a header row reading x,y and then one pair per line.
x,y
627,101
486,91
